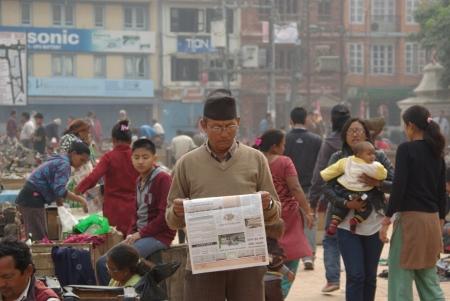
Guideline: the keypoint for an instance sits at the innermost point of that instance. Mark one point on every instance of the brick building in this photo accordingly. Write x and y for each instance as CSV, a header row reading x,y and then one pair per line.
x,y
383,64
307,72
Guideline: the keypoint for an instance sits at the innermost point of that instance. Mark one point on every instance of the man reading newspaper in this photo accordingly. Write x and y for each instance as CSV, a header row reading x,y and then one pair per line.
x,y
222,167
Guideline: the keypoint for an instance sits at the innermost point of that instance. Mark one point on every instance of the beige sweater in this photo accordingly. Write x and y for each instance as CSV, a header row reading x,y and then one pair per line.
x,y
199,175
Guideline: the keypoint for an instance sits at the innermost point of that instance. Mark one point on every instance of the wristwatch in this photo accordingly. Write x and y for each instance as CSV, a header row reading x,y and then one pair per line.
x,y
270,204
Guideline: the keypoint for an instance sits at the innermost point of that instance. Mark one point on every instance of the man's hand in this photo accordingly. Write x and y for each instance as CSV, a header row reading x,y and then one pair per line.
x,y
131,238
265,198
178,208
370,181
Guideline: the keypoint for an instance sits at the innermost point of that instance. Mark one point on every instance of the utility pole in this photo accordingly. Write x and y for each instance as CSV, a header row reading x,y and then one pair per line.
x,y
271,103
226,50
342,51
307,53
296,69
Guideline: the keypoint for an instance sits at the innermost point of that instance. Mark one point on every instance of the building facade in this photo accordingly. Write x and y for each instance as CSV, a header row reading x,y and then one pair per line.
x,y
383,63
160,59
306,51
198,55
85,56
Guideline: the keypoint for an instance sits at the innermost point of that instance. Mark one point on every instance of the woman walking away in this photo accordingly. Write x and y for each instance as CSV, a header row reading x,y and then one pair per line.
x,y
285,179
119,204
360,250
418,201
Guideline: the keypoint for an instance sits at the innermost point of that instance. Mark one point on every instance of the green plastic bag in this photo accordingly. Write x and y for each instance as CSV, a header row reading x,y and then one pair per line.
x,y
93,224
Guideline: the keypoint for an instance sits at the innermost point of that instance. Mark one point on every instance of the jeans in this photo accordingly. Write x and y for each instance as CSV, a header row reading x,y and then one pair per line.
x,y
311,237
145,246
331,254
361,255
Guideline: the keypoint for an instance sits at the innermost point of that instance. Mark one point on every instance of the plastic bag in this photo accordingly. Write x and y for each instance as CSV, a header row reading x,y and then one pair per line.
x,y
93,224
68,221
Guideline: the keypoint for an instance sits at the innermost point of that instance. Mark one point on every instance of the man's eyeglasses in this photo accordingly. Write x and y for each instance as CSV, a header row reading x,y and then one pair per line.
x,y
220,129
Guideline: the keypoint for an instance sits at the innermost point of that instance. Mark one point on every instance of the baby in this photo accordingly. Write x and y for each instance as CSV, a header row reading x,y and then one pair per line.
x,y
350,187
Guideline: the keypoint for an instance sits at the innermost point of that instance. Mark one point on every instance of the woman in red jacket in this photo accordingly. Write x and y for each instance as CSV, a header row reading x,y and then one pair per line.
x,y
115,167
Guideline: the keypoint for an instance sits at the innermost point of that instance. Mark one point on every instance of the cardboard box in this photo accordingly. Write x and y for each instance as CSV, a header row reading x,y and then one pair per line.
x,y
53,226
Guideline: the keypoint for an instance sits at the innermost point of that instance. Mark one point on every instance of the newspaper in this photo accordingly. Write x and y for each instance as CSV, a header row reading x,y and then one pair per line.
x,y
226,233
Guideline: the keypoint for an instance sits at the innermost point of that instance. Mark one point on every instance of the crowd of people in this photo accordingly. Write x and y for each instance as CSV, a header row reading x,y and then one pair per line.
x,y
295,173
32,132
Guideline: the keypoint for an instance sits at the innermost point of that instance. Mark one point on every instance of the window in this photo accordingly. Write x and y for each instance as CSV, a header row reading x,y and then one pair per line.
x,y
135,17
217,70
216,15
415,58
284,58
324,10
356,58
100,66
287,7
264,7
136,67
186,20
382,59
411,7
357,11
185,69
198,20
99,16
63,14
26,13
383,10
63,65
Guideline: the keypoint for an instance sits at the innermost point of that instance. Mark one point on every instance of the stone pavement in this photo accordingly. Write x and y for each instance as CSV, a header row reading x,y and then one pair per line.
x,y
308,284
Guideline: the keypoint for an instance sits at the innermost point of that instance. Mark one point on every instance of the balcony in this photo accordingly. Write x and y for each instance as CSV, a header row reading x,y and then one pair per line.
x,y
384,23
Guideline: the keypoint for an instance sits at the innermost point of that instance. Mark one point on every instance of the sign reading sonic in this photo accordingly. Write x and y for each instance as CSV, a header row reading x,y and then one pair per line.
x,y
85,40
56,39
53,38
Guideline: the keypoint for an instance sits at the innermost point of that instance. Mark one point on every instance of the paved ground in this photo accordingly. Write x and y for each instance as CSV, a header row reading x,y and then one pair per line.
x,y
308,284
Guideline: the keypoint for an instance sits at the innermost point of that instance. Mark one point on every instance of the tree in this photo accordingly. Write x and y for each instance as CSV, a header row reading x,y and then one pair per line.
x,y
434,19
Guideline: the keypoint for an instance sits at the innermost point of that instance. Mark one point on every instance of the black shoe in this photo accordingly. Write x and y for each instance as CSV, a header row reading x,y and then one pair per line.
x,y
164,270
384,274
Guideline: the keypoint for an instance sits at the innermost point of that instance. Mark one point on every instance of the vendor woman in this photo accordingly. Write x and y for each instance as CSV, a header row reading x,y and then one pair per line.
x,y
47,184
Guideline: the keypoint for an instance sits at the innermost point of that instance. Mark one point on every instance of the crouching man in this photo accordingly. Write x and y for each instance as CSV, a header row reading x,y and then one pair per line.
x,y
17,281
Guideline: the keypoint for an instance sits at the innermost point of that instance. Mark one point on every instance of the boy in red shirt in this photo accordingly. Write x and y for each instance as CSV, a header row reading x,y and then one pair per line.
x,y
150,231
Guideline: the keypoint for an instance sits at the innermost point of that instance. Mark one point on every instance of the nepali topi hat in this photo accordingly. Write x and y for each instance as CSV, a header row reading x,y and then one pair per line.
x,y
220,107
